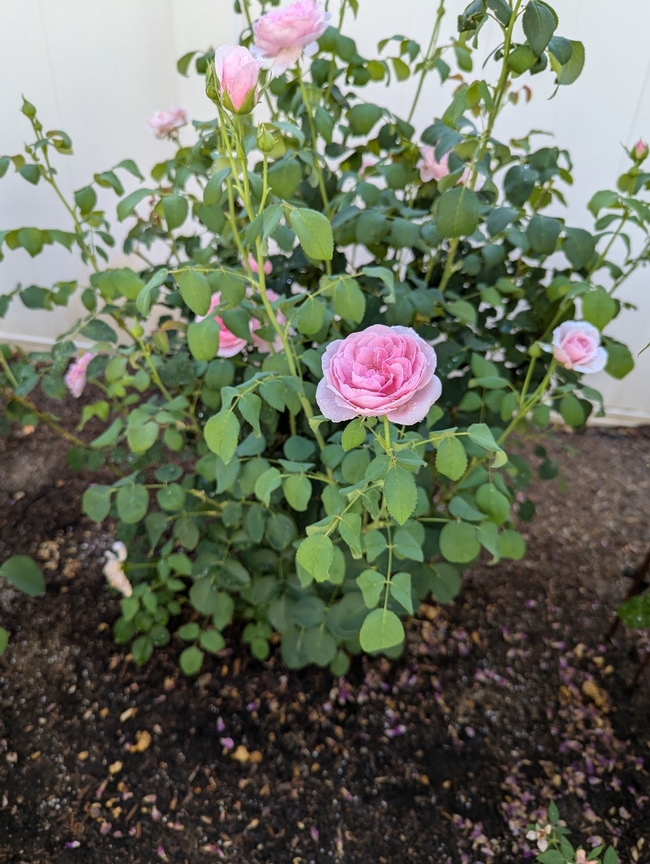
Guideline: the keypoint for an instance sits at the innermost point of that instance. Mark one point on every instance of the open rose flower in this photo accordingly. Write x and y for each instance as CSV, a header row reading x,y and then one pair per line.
x,y
164,124
432,169
283,34
379,371
238,73
229,344
576,345
114,571
75,378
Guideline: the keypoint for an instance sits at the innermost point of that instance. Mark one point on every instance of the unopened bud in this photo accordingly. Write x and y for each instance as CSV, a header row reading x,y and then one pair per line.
x,y
28,109
535,350
640,151
265,140
211,84
137,331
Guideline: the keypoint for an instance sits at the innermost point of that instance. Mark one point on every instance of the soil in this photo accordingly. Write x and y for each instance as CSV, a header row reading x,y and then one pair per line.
x,y
506,698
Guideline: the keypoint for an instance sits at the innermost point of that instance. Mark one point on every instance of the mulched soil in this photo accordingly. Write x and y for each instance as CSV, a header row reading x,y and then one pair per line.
x,y
504,699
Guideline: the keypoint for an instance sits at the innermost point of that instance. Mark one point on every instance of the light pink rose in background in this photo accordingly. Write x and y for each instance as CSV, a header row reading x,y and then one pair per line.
x,y
114,571
252,263
640,150
379,371
432,169
576,345
238,73
229,344
283,34
164,123
261,344
75,378
581,857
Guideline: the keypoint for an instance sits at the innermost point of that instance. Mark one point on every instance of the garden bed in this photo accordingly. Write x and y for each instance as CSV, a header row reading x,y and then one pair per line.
x,y
504,698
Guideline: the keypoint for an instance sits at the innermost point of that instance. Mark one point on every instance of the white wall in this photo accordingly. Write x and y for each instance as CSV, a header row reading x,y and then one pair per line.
x,y
100,68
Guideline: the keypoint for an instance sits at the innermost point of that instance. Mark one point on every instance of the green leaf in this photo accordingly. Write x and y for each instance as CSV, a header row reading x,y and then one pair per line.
x,y
96,502
459,543
266,484
23,572
250,406
171,497
451,458
499,219
314,233
222,434
109,436
578,246
610,856
212,641
512,545
572,411
99,331
619,359
4,640
310,317
493,503
561,49
195,291
457,212
143,300
203,339
298,491
400,493
127,205
572,70
363,117
543,233
132,503
284,178
315,555
85,199
175,208
539,25
445,582
407,546
598,307
191,660
635,612
502,11
400,590
521,59
480,434
354,434
142,436
371,584
380,631
349,300
350,530
189,632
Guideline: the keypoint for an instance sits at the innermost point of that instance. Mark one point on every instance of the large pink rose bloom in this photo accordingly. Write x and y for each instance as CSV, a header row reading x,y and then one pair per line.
x,y
75,378
432,169
379,371
229,344
164,124
283,34
237,72
576,345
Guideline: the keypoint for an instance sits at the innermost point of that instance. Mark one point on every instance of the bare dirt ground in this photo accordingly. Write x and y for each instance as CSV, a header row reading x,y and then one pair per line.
x,y
505,698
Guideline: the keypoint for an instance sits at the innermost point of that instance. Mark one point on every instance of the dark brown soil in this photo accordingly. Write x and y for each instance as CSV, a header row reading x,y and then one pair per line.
x,y
505,698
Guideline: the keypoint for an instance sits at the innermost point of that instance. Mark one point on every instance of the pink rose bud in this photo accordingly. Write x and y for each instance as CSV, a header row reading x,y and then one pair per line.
x,y
75,378
432,169
379,371
640,151
238,74
229,344
283,34
252,263
576,345
164,124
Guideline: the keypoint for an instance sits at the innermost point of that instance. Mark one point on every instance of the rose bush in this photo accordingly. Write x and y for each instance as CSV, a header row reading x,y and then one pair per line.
x,y
306,399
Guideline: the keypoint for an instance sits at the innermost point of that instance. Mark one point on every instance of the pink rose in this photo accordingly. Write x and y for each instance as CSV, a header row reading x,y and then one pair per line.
x,y
229,344
640,151
283,34
75,378
576,345
261,344
238,73
381,370
252,263
432,169
164,124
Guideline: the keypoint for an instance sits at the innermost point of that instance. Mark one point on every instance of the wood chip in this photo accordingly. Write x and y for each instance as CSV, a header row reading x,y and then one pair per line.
x,y
142,741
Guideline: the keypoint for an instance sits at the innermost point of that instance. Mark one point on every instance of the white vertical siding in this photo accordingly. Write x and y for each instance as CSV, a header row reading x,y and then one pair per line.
x,y
99,69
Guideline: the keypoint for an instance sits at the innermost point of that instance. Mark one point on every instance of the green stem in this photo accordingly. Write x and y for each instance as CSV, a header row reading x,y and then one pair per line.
x,y
607,248
428,57
10,375
314,139
449,264
529,375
